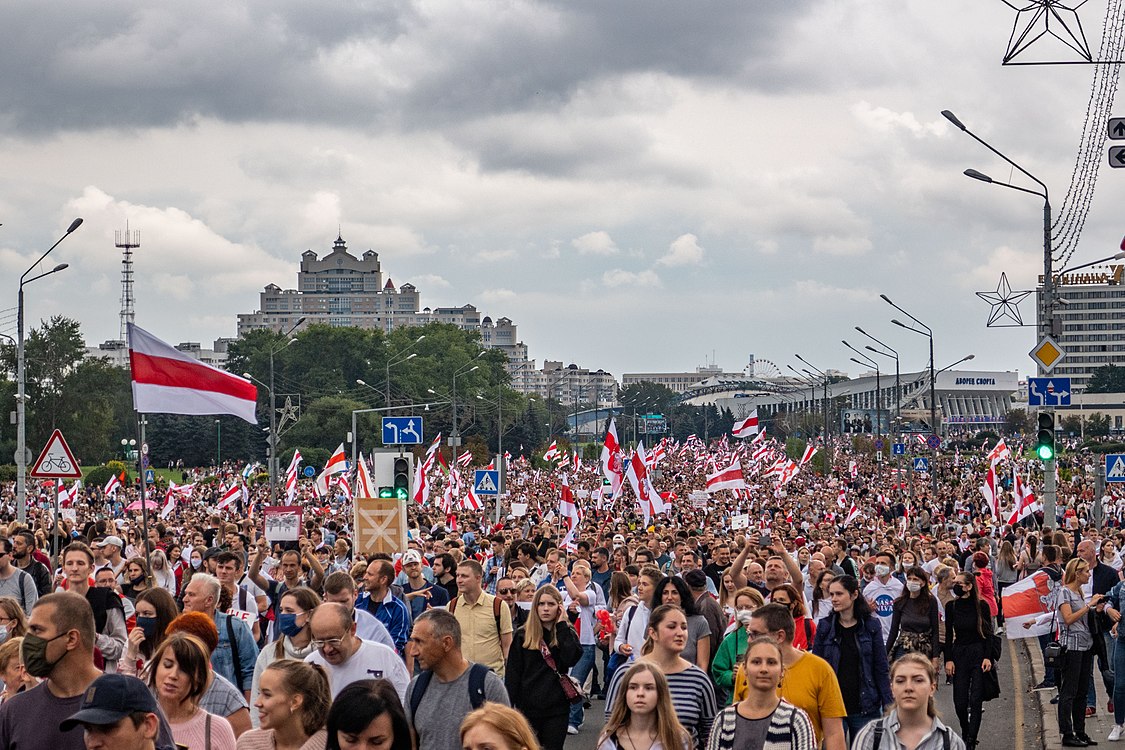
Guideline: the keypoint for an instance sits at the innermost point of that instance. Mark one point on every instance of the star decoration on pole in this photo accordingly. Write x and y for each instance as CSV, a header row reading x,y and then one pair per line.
x,y
1005,304
1036,19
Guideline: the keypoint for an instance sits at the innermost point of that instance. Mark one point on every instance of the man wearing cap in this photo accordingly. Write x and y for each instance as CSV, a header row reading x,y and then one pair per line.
x,y
418,593
59,648
119,713
111,548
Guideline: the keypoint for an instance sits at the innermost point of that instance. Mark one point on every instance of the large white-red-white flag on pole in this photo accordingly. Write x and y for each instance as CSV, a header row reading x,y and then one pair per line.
x,y
363,484
810,451
990,492
168,381
291,476
999,452
229,496
730,478
747,427
1026,502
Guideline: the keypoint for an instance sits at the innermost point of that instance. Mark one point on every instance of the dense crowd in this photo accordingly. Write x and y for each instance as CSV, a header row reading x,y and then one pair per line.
x,y
798,610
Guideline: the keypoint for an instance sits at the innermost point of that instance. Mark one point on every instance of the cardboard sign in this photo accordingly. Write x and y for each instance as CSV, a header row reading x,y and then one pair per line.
x,y
283,523
380,525
519,509
699,499
741,521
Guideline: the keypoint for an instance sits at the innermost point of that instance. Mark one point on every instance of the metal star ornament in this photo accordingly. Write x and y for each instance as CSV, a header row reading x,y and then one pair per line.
x,y
1036,19
1005,304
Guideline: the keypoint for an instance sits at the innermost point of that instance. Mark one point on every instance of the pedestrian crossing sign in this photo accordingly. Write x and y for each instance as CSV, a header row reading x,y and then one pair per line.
x,y
486,482
1115,467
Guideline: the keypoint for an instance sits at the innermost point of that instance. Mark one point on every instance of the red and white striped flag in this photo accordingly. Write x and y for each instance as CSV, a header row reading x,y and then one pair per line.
x,y
999,452
730,478
229,496
552,451
168,381
988,489
810,451
611,459
1026,502
291,476
852,513
465,459
746,427
470,500
363,484
841,498
114,483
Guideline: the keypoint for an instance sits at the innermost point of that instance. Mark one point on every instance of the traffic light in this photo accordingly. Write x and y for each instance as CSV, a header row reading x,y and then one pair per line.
x,y
1045,441
402,477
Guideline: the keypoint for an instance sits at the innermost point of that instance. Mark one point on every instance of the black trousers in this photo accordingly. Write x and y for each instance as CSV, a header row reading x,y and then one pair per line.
x,y
550,730
968,688
1074,681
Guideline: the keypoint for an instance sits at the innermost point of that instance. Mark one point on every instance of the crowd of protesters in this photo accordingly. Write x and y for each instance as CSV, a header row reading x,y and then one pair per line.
x,y
818,611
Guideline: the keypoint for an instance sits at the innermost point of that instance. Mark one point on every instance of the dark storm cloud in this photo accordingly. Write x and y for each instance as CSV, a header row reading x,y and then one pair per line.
x,y
83,66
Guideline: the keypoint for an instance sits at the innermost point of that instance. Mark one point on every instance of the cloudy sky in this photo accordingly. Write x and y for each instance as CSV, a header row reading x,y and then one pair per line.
x,y
640,185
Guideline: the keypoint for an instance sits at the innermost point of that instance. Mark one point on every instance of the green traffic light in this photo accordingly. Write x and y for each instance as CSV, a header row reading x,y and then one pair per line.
x,y
1045,452
386,492
401,493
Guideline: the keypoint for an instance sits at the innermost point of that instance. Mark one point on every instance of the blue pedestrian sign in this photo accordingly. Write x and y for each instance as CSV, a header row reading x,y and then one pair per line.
x,y
1048,391
898,449
402,430
1115,467
921,463
486,482
150,476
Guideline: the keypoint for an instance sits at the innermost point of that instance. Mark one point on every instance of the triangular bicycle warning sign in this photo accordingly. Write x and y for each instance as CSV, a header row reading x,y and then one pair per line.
x,y
56,461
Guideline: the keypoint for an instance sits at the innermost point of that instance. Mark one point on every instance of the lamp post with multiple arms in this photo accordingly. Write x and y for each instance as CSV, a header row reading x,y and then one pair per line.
x,y
935,428
812,383
399,361
272,465
454,433
21,378
893,354
824,376
1047,299
868,362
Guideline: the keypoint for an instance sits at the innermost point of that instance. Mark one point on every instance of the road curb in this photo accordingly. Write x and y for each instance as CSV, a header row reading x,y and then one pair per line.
x,y
1048,716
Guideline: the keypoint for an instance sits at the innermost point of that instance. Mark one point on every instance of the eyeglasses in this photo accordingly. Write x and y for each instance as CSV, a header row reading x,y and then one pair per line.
x,y
320,643
505,592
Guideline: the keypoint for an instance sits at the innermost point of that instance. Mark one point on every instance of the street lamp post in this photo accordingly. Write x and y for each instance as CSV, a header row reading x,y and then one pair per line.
x,y
21,376
390,362
454,433
894,354
272,464
218,445
878,386
934,427
825,404
1047,298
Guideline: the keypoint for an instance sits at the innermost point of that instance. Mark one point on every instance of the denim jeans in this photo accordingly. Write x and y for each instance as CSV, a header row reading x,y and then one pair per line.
x,y
1119,685
854,723
1048,673
580,672
1107,667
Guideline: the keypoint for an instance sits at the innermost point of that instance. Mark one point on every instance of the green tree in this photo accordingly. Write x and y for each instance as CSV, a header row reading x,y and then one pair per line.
x,y
1097,424
325,423
1107,379
1017,421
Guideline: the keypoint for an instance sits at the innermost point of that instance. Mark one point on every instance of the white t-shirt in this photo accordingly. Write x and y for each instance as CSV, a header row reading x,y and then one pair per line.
x,y
372,661
586,613
244,607
882,596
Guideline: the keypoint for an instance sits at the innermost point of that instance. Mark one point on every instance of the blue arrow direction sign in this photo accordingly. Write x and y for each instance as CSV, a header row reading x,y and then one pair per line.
x,y
898,449
402,430
309,471
1115,467
1048,391
486,482
921,463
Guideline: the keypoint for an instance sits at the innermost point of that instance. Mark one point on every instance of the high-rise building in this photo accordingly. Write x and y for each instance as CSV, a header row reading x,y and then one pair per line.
x,y
1093,322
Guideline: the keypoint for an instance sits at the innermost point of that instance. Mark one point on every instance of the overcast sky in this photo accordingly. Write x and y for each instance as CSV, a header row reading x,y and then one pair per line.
x,y
637,184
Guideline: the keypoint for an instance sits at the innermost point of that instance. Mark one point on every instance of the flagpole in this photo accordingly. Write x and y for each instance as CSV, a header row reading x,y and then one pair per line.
x,y
141,459
57,522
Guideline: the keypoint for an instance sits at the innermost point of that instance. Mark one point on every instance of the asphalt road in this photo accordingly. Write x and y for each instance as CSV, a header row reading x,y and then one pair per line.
x,y
1012,721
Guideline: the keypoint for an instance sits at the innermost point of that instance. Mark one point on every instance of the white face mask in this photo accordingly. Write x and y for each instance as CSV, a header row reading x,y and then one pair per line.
x,y
913,587
743,616
197,564
882,571
3,633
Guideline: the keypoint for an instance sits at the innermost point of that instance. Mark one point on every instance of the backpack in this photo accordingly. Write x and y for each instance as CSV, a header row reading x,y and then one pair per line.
x,y
878,736
477,673
496,603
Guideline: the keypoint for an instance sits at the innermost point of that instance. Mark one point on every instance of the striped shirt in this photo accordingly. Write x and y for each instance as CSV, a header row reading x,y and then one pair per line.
x,y
693,697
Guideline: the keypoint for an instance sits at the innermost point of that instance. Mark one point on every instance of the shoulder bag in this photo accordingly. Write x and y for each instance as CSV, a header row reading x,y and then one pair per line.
x,y
571,688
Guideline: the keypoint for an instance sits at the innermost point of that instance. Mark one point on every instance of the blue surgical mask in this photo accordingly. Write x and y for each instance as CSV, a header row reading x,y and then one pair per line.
x,y
287,624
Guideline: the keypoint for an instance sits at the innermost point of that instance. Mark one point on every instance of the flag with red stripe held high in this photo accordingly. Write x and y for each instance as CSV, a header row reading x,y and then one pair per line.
x,y
168,381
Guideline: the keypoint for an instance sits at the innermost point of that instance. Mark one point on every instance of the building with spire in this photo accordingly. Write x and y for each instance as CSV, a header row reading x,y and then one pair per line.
x,y
341,289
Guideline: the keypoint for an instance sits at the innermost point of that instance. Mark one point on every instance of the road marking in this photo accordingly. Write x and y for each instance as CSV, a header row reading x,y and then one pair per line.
x,y
1017,684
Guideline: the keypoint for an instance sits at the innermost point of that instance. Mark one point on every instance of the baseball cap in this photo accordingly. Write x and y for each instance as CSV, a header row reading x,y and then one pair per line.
x,y
411,556
109,699
111,540
618,539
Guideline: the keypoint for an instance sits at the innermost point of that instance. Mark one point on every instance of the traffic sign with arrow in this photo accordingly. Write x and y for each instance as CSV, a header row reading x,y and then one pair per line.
x,y
1048,391
1117,128
1117,157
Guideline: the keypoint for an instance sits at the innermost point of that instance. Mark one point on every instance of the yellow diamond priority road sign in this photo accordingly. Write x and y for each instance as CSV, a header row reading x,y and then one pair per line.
x,y
1047,353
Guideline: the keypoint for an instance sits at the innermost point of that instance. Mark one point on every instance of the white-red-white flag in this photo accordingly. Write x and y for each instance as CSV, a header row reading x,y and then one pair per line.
x,y
611,459
991,495
1026,502
465,458
421,481
291,476
852,513
637,474
810,451
168,381
365,487
746,427
113,485
999,452
229,496
730,478
552,451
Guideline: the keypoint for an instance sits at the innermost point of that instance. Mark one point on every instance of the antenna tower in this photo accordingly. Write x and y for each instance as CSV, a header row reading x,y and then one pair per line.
x,y
127,242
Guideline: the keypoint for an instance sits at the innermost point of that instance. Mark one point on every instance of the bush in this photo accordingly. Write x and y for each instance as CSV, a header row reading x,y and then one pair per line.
x,y
7,473
98,476
116,467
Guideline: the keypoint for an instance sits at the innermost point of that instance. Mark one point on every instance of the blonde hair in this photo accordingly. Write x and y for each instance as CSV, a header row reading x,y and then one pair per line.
x,y
913,658
669,731
533,632
1071,573
14,612
509,723
10,650
309,681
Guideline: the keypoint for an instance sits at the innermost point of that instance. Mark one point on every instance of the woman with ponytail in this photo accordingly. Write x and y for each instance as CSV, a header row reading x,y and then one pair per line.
x,y
291,708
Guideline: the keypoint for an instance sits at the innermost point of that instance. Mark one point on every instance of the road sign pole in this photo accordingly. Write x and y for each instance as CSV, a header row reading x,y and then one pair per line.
x,y
1099,494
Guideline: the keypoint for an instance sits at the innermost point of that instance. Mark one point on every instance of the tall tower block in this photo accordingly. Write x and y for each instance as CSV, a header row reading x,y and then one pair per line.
x,y
127,242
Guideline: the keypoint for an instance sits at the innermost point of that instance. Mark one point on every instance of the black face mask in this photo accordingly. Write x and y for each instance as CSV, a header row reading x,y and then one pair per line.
x,y
959,590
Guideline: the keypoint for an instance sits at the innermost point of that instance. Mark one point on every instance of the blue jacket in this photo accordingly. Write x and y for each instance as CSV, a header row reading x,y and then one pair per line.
x,y
222,660
875,689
